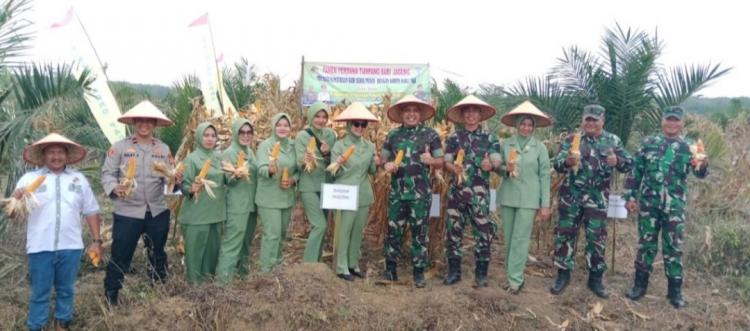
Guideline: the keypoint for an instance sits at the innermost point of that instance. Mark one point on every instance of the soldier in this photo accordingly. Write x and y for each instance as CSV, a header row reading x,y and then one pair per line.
x,y
143,212
584,196
310,181
411,193
659,181
469,192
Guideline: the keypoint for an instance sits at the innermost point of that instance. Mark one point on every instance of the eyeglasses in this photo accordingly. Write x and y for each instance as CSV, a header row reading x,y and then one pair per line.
x,y
246,132
359,124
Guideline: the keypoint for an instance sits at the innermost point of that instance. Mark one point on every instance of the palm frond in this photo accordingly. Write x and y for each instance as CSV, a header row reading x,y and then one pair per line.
x,y
677,84
15,31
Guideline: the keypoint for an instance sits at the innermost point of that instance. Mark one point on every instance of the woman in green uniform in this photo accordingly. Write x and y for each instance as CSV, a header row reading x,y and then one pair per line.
x,y
353,171
276,197
200,214
310,180
524,191
240,225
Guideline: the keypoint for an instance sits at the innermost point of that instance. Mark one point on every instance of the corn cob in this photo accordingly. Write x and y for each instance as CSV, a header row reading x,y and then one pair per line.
x,y
201,180
575,149
699,154
19,208
35,184
95,259
129,180
204,169
275,151
399,158
335,166
239,170
513,158
459,163
285,175
460,157
311,164
241,159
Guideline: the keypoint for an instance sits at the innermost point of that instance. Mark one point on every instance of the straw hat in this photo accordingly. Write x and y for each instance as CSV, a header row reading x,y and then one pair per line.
x,y
486,111
528,109
426,110
145,109
356,112
33,153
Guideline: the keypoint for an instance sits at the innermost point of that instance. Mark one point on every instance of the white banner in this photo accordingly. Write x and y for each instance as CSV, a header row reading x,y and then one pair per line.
x,y
212,84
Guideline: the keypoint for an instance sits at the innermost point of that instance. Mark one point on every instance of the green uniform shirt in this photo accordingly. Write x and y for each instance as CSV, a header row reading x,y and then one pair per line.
x,y
358,167
204,210
312,181
412,180
531,188
271,194
240,192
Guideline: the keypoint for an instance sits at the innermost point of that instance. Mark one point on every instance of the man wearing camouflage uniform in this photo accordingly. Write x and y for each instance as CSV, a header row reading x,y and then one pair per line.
x,y
411,193
469,193
584,196
659,181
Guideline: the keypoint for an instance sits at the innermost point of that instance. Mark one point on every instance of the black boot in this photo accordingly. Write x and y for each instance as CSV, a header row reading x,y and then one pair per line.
x,y
640,285
390,271
111,297
454,271
480,275
674,292
562,280
595,284
419,277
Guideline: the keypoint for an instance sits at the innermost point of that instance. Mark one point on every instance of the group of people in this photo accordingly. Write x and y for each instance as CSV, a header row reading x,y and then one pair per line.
x,y
225,192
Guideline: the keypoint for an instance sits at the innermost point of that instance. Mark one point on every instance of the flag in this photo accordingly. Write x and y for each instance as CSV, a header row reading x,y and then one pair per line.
x,y
63,22
212,84
203,20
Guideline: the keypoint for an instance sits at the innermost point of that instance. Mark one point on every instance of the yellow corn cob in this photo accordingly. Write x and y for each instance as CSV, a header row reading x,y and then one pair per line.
x,y
348,153
575,146
35,184
459,157
699,147
312,146
285,175
335,166
275,151
512,158
130,173
240,160
204,169
95,259
459,162
399,157
180,168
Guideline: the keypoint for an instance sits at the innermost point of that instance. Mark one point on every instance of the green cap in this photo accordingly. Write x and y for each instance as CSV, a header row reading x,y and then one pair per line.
x,y
673,111
595,111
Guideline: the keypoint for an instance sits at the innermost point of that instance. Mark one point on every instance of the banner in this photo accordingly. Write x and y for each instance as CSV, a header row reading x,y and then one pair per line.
x,y
212,84
366,83
99,98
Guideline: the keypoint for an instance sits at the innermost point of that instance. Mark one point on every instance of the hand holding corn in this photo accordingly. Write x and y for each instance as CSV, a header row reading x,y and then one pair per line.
x,y
335,166
23,201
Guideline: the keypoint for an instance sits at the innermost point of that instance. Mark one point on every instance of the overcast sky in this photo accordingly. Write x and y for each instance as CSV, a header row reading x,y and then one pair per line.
x,y
470,41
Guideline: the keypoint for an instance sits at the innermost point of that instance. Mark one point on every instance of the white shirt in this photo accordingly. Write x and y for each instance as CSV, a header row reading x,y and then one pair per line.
x,y
56,223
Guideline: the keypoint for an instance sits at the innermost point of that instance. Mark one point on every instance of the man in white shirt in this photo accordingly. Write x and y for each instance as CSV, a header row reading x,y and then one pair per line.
x,y
53,238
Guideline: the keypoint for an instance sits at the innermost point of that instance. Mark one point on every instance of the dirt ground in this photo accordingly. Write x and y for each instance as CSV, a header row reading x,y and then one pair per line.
x,y
303,296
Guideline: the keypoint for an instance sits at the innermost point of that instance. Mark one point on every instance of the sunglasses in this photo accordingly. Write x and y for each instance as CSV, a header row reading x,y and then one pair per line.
x,y
359,124
246,132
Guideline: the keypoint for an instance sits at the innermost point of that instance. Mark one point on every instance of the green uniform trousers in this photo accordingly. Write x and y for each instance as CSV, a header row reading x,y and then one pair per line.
x,y
247,245
201,250
517,226
275,223
350,227
232,241
318,223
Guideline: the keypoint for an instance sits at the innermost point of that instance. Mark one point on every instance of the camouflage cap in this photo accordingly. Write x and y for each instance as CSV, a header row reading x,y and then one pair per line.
x,y
595,111
673,111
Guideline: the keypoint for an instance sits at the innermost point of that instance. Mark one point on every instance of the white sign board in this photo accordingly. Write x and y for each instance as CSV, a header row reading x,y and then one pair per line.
x,y
616,207
493,200
435,206
341,197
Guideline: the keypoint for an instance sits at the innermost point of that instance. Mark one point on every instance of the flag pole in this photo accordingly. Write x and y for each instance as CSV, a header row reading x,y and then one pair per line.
x,y
216,64
88,38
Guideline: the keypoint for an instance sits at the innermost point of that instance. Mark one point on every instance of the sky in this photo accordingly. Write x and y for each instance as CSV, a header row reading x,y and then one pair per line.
x,y
472,42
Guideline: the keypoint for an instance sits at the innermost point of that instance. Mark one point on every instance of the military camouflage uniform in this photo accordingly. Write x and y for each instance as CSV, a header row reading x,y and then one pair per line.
x,y
471,199
659,181
411,193
584,197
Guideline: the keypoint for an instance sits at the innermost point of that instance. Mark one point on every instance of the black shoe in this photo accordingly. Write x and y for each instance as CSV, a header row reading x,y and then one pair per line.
x,y
390,271
640,285
454,271
480,274
674,292
419,277
346,277
562,281
111,297
356,273
595,284
515,291
62,325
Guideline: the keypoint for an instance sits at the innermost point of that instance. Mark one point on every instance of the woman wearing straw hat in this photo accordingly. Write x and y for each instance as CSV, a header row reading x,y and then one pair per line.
x,y
411,192
524,191
277,176
204,207
53,236
310,180
469,192
354,170
139,210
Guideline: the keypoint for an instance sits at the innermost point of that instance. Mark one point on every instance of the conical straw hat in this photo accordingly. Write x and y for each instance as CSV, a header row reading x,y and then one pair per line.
x,y
486,110
426,110
33,153
356,112
528,109
145,109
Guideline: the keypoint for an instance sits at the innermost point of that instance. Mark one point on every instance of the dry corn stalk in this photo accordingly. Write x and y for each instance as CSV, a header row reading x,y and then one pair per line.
x,y
129,180
575,149
699,154
239,171
513,158
19,208
311,160
335,166
459,164
168,172
205,183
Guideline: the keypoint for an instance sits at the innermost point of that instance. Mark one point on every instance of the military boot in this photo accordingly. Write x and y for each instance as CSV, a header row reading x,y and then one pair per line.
x,y
595,284
674,292
419,277
640,285
454,271
480,275
390,271
562,281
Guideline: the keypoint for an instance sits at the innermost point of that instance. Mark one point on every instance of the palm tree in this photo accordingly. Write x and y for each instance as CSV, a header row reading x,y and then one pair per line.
x,y
14,31
625,77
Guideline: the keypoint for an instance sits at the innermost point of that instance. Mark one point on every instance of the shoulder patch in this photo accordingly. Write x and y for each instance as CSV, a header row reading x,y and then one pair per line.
x,y
111,152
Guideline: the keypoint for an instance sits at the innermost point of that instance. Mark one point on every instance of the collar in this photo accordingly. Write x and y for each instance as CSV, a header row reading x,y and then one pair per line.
x,y
134,140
